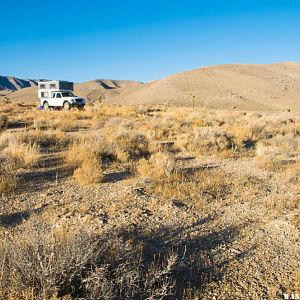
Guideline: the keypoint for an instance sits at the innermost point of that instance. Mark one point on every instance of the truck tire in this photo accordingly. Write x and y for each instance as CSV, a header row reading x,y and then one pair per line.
x,y
46,105
67,105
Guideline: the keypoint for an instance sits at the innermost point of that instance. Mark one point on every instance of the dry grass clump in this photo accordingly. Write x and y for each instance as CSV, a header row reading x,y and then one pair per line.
x,y
196,187
22,154
3,121
6,138
159,165
89,172
117,111
55,139
278,153
8,177
87,157
209,141
130,146
52,120
79,150
272,163
51,264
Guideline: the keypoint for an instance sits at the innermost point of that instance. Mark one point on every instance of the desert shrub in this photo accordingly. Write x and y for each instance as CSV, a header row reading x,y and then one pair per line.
x,y
3,121
49,264
272,162
274,154
6,138
23,154
65,121
195,187
55,139
131,146
8,177
79,150
90,171
135,145
158,166
209,141
117,110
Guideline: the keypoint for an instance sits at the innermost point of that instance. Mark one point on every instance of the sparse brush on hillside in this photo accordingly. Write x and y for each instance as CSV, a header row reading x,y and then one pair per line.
x,y
210,197
209,141
51,264
80,150
3,121
22,154
90,171
277,154
159,165
8,177
129,146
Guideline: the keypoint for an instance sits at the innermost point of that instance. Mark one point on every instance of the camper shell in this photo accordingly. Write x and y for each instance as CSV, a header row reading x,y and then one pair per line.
x,y
45,88
58,94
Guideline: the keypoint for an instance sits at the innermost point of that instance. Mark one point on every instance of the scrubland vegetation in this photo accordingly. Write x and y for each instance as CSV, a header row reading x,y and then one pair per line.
x,y
148,202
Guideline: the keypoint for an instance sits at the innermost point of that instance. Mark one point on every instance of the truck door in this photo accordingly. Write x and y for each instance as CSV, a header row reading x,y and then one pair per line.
x,y
58,100
52,99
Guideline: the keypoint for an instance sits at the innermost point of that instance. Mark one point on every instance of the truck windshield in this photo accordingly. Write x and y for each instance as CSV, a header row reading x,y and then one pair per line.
x,y
67,94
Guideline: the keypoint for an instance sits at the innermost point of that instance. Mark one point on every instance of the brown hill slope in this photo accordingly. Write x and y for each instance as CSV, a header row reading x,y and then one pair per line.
x,y
90,90
9,83
247,87
250,87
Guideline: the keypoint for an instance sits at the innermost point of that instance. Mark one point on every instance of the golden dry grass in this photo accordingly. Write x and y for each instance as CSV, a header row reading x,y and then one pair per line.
x,y
184,166
89,172
8,178
23,155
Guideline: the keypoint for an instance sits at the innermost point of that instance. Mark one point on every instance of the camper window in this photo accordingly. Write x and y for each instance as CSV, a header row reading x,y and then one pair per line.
x,y
42,86
52,86
67,94
44,94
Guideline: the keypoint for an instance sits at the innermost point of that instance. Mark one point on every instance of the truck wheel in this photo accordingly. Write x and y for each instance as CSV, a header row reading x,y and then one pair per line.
x,y
46,105
67,105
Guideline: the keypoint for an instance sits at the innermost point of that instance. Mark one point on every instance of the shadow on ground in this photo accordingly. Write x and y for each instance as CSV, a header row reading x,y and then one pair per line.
x,y
49,171
14,219
116,176
199,258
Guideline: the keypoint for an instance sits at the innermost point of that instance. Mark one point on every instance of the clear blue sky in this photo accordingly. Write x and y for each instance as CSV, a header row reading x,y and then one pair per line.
x,y
143,40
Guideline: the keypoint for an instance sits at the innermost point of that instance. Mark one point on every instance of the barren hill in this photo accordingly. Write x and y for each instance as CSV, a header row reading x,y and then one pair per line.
x,y
250,87
90,90
272,87
9,83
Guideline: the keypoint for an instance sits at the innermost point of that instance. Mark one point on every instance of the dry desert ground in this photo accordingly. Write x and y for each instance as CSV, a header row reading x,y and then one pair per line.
x,y
148,202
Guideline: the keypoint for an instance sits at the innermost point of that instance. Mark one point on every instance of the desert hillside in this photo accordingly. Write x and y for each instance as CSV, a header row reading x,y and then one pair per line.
x,y
249,87
90,90
273,87
148,202
9,83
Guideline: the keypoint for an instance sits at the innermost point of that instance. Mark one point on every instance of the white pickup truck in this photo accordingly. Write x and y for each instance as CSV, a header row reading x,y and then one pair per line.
x,y
58,94
62,99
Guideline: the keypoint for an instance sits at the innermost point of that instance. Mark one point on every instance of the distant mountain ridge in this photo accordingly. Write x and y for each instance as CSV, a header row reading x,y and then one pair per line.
x,y
265,87
16,89
11,83
251,87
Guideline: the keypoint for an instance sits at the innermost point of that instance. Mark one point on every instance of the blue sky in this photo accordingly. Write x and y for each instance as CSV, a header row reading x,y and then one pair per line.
x,y
142,40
